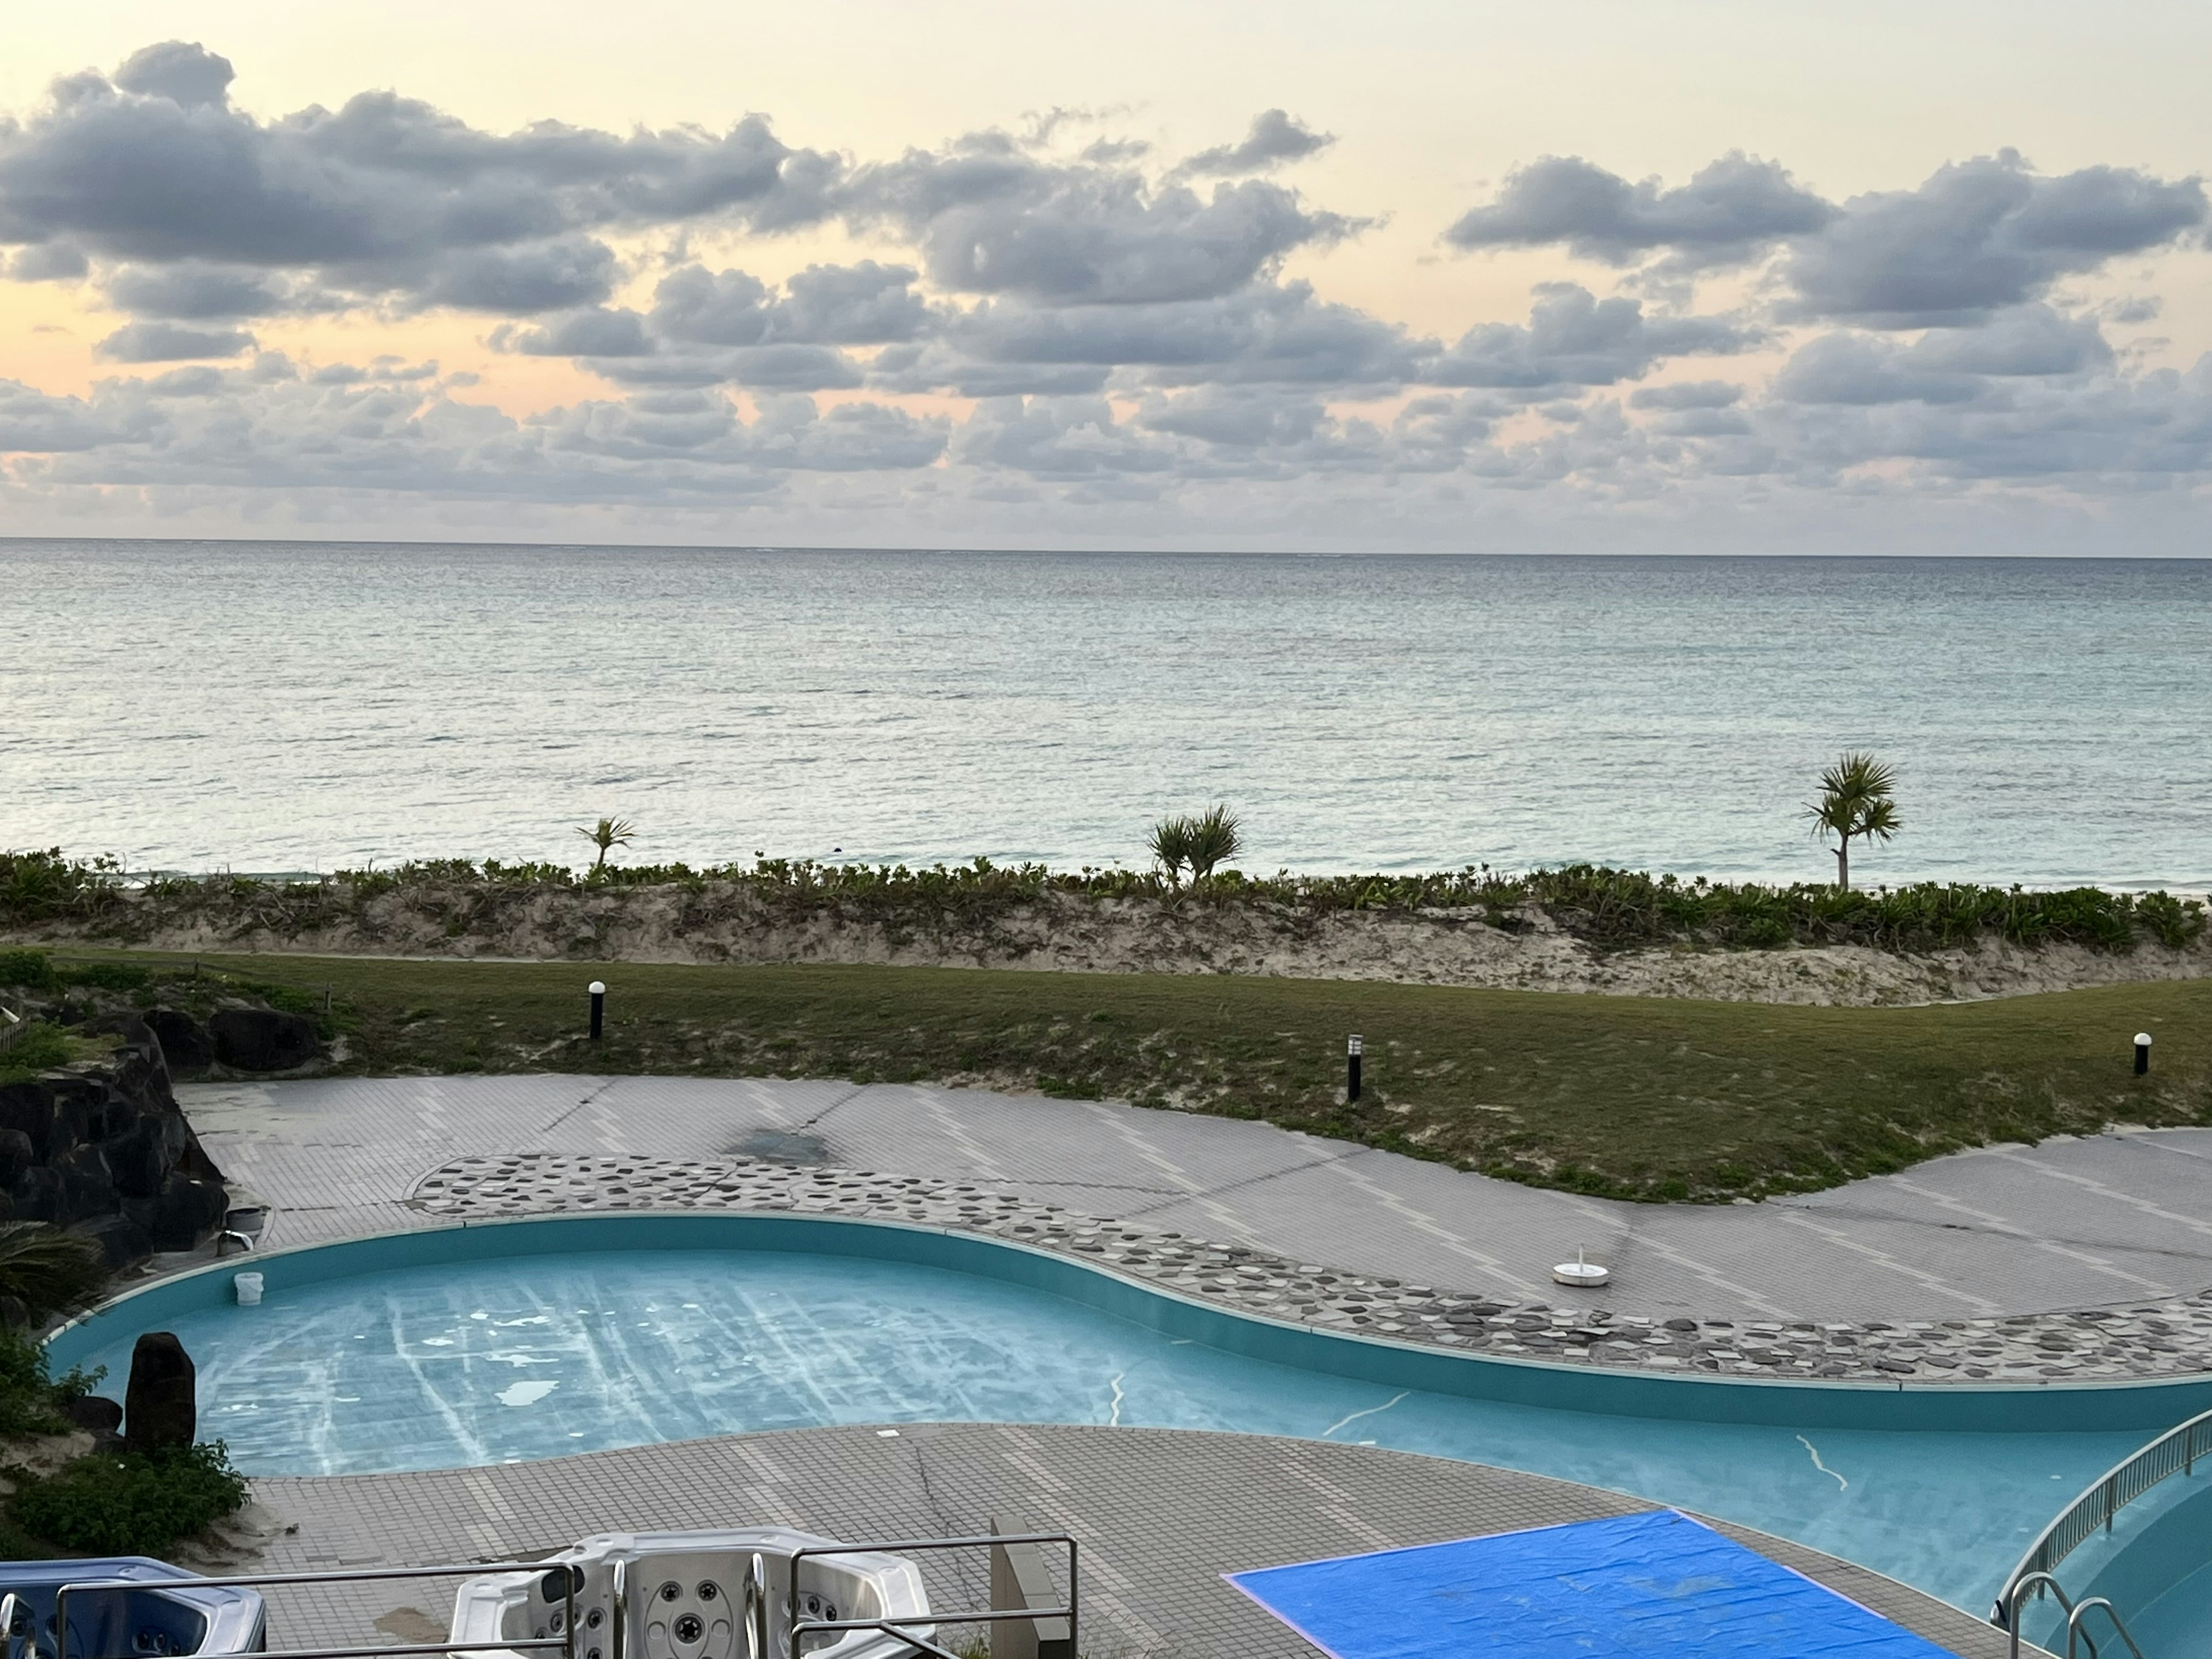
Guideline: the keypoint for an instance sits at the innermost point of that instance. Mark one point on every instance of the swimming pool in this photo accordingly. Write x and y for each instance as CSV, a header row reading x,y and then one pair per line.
x,y
531,1340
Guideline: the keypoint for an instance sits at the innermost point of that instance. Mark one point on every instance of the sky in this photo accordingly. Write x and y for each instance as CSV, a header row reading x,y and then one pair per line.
x,y
1467,277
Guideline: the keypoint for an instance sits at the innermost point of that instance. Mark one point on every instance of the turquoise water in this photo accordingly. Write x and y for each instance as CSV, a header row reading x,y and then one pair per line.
x,y
539,1356
2048,718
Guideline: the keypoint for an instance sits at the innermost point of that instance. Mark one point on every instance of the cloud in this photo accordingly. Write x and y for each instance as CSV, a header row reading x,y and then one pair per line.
x,y
1130,337
1573,338
990,219
385,197
1280,332
47,262
1978,236
1729,212
1275,140
33,423
194,291
165,342
184,72
1943,365
593,332
1687,394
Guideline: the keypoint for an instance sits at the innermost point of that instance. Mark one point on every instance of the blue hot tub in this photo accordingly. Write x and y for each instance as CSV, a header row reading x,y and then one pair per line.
x,y
161,1609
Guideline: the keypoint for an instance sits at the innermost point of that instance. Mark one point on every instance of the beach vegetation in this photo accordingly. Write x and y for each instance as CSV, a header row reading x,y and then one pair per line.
x,y
1170,844
1216,836
607,834
1609,910
1858,800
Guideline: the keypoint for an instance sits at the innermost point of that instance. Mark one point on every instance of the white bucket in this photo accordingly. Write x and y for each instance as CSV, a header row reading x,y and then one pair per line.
x,y
249,1289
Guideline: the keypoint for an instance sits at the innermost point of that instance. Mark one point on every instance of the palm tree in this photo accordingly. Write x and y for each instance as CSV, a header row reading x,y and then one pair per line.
x,y
45,1269
1171,844
607,834
1854,801
1216,834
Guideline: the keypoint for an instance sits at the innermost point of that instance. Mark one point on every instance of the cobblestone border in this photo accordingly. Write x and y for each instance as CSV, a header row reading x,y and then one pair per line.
x,y
2163,1339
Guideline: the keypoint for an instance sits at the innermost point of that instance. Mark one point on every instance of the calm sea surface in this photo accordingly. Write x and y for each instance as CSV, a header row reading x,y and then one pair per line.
x,y
272,707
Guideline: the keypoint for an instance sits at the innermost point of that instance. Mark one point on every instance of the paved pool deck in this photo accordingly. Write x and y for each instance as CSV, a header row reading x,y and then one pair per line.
x,y
2082,1258
2002,1231
1159,1516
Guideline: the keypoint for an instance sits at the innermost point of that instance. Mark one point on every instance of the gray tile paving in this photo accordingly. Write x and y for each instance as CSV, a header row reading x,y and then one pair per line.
x,y
2073,1222
1160,1515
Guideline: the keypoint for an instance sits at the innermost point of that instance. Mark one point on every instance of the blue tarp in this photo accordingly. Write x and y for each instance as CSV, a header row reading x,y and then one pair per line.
x,y
1656,1583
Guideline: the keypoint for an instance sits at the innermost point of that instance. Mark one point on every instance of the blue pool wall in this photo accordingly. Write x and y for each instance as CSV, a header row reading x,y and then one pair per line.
x,y
2050,1408
2154,1566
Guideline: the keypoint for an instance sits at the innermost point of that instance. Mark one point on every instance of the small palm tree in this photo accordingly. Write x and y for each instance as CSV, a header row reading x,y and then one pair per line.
x,y
45,1269
1216,836
1854,801
607,834
1170,844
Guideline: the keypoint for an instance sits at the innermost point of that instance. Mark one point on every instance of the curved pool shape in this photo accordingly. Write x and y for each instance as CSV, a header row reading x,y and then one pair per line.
x,y
535,1338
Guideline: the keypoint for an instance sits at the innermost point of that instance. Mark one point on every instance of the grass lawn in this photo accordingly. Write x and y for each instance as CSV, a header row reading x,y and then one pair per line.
x,y
1635,1097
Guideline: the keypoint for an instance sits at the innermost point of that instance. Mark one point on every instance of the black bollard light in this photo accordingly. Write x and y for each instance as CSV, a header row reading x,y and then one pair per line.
x,y
598,1007
2142,1053
1351,1070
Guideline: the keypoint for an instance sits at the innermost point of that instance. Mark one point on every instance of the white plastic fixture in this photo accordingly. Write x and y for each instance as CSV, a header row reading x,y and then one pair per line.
x,y
1583,1275
249,1289
598,987
2142,1039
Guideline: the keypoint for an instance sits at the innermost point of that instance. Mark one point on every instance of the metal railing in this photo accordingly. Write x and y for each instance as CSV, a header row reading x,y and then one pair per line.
x,y
2074,1626
566,1642
801,1626
2174,1452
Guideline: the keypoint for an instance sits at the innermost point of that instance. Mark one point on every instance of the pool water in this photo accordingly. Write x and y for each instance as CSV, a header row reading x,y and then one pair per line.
x,y
539,1356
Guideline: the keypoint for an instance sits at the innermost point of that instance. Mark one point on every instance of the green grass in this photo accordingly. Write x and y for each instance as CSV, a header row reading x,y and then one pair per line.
x,y
1636,1097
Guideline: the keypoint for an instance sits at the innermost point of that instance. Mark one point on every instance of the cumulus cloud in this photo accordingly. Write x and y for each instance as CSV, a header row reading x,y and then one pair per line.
x,y
164,343
1974,238
1729,212
1276,140
1979,236
990,218
385,197
1573,338
1127,330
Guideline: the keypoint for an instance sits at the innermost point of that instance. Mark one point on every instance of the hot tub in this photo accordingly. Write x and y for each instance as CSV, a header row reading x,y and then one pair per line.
x,y
160,1611
686,1596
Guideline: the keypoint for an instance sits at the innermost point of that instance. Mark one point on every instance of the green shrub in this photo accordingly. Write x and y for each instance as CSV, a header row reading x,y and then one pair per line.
x,y
32,969
40,1048
113,1502
107,975
29,1401
44,886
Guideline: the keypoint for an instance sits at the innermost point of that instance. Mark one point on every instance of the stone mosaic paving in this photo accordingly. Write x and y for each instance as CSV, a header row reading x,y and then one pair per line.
x,y
2167,1337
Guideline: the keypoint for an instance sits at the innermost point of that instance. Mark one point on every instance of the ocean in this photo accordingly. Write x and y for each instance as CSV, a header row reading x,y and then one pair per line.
x,y
263,707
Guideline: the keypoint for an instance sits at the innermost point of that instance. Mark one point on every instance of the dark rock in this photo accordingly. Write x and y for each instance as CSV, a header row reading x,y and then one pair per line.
x,y
160,1406
263,1039
15,1156
36,1194
122,1241
86,1189
106,1150
190,1208
137,1160
184,1042
101,1417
